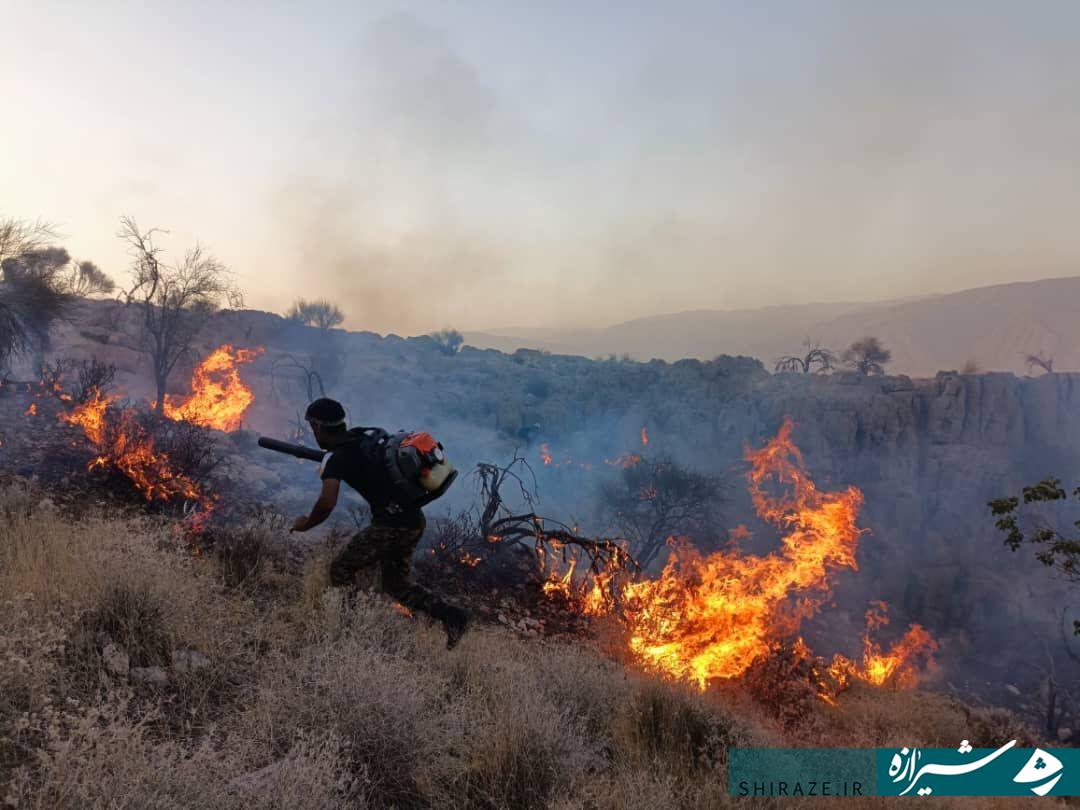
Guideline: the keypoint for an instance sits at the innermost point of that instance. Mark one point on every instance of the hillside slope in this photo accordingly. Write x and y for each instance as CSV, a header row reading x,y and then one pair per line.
x,y
991,326
927,455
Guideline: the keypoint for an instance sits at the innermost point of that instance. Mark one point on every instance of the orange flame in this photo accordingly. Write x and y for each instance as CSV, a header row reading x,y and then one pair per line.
x,y
127,447
898,667
710,617
644,436
218,397
32,410
597,600
548,458
561,585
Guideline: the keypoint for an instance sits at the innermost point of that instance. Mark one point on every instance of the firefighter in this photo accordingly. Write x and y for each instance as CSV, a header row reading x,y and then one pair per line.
x,y
394,531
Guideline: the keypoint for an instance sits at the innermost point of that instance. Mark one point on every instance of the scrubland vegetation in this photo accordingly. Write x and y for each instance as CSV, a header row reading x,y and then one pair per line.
x,y
138,672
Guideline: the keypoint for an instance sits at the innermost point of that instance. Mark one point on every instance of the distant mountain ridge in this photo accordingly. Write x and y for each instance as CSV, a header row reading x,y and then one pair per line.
x,y
992,327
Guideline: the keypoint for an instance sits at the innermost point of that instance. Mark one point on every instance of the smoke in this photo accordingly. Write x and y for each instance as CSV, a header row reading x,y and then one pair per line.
x,y
389,231
746,158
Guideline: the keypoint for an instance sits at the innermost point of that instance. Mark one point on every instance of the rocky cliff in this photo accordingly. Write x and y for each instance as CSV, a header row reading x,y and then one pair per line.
x,y
928,455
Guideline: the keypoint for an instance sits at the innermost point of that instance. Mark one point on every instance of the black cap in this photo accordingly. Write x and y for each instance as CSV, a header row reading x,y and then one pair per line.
x,y
325,413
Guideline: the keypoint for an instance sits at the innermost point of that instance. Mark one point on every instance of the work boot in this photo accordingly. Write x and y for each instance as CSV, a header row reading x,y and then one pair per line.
x,y
455,621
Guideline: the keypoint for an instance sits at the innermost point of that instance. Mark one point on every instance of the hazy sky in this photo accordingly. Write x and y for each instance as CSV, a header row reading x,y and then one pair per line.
x,y
520,163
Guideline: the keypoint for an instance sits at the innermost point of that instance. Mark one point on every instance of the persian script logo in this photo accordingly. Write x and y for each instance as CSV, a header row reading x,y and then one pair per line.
x,y
1040,773
962,771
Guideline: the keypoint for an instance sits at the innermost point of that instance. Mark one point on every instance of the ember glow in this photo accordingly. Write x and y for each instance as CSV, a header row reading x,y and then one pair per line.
x,y
624,460
548,458
218,396
123,444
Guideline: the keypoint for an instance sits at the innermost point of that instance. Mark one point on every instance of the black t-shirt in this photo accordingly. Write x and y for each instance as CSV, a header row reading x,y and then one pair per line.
x,y
360,464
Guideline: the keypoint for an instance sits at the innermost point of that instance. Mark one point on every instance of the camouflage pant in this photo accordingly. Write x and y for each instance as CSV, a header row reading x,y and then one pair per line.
x,y
392,548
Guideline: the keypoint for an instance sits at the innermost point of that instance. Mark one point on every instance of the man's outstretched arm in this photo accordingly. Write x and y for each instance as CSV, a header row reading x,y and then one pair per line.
x,y
322,508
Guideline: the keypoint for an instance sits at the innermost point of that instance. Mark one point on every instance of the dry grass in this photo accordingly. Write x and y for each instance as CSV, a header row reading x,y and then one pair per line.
x,y
302,701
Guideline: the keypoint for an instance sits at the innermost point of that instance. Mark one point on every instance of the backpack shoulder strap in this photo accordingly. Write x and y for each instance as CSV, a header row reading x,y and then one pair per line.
x,y
367,434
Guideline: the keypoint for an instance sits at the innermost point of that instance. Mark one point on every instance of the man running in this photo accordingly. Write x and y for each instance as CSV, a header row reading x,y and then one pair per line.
x,y
394,531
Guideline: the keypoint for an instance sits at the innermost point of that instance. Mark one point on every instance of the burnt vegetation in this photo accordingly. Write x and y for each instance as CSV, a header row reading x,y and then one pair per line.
x,y
503,541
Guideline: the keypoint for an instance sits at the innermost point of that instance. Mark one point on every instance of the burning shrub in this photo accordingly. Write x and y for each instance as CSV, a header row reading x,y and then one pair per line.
x,y
790,683
164,460
77,381
193,451
92,376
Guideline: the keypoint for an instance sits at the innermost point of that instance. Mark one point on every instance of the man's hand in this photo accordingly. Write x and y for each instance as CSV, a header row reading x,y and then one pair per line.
x,y
322,509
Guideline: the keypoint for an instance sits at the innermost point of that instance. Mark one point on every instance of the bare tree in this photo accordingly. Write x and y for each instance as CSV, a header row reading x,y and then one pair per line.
x,y
1039,360
172,302
816,359
319,313
654,500
448,340
867,356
